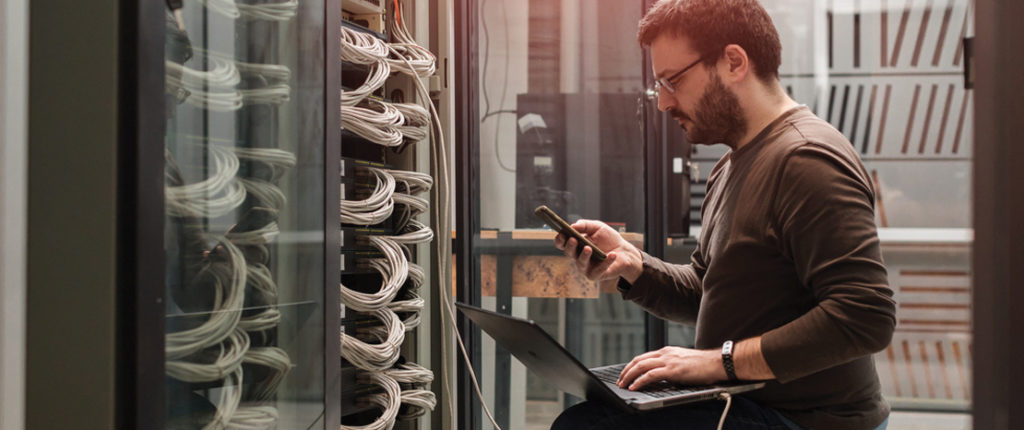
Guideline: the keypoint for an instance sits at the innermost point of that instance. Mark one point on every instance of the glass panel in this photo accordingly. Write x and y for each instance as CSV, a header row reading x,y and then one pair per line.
x,y
560,91
889,75
244,228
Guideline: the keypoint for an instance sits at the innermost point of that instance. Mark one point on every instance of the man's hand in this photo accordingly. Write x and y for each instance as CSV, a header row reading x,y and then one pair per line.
x,y
623,260
682,366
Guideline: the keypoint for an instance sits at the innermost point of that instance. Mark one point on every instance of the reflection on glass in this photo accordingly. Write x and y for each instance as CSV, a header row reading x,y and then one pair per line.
x,y
560,88
889,76
244,201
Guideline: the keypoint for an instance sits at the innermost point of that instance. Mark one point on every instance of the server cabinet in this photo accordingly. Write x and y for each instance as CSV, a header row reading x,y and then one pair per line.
x,y
247,281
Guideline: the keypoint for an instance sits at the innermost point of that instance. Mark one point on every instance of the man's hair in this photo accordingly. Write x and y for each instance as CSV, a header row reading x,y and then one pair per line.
x,y
710,25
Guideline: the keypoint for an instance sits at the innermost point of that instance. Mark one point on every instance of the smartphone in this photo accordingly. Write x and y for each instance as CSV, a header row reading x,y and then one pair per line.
x,y
558,224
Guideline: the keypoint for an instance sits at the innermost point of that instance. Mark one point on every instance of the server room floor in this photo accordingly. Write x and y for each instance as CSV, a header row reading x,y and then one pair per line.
x,y
540,414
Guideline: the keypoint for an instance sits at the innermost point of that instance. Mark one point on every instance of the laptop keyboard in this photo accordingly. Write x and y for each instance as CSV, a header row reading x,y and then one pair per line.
x,y
660,389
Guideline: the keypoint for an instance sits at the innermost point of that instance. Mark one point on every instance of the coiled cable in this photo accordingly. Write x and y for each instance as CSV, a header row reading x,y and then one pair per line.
x,y
213,197
374,120
380,356
228,360
230,278
390,401
374,209
394,270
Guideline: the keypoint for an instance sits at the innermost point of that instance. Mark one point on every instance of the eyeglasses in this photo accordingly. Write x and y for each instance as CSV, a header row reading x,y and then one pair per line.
x,y
667,83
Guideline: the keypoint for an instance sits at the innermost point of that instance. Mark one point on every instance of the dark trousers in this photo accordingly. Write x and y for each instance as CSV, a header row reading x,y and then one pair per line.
x,y
743,415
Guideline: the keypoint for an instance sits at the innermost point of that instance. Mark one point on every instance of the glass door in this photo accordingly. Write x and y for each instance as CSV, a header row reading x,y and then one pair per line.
x,y
558,86
244,228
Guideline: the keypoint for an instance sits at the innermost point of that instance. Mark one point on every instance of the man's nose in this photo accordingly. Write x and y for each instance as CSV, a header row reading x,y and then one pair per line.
x,y
665,100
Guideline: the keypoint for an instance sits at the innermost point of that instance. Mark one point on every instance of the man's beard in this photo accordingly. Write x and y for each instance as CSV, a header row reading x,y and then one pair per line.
x,y
719,118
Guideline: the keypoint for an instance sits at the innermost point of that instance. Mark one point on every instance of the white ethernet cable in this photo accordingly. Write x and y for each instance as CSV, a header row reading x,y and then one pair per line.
x,y
420,401
419,233
227,309
416,119
379,72
389,400
375,121
273,358
265,320
216,101
277,94
227,402
394,270
376,208
267,72
254,418
283,11
278,159
416,182
416,275
268,194
215,196
259,236
411,58
223,74
228,361
412,305
376,357
417,204
227,8
272,156
411,373
440,162
199,94
361,48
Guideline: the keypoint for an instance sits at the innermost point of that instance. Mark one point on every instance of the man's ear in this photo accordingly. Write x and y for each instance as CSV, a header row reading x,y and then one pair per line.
x,y
736,62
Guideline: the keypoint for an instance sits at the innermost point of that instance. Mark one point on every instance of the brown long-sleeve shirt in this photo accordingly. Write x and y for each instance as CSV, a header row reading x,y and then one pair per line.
x,y
789,251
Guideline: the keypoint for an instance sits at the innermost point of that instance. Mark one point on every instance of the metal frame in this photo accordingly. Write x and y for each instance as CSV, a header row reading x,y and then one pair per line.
x,y
332,219
140,203
72,305
998,208
467,216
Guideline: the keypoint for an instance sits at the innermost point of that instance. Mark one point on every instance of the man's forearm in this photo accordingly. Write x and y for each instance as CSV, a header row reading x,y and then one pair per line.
x,y
749,362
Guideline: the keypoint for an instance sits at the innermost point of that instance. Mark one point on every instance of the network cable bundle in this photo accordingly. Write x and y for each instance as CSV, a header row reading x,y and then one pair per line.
x,y
380,203
223,198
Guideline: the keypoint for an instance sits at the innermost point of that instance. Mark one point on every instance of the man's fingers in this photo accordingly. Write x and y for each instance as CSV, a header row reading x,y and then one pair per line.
x,y
583,259
560,241
632,363
587,226
570,248
599,270
651,376
629,377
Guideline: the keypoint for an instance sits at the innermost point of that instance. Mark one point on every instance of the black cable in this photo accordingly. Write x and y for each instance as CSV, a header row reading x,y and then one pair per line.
x,y
504,90
487,50
498,112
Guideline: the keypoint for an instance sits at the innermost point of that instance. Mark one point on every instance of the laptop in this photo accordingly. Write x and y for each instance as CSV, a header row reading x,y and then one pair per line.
x,y
536,349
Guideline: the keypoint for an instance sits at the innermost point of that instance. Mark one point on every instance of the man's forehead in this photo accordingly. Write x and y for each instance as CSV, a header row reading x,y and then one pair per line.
x,y
670,51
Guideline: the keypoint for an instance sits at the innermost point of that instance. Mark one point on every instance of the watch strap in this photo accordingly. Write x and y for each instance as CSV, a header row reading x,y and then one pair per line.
x,y
730,368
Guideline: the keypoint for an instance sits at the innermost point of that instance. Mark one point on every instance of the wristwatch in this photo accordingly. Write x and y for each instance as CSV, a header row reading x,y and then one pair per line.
x,y
730,369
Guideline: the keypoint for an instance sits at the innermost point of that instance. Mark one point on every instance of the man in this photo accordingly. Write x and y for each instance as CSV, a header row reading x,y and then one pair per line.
x,y
788,266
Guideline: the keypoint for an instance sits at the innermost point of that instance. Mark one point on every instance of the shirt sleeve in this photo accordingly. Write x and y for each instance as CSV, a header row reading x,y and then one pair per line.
x,y
824,216
669,291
